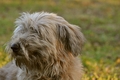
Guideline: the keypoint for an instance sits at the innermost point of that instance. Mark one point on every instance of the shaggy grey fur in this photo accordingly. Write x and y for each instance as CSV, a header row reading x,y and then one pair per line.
x,y
44,46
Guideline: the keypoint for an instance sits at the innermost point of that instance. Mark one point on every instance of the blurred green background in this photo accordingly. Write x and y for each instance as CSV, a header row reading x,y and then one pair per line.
x,y
100,23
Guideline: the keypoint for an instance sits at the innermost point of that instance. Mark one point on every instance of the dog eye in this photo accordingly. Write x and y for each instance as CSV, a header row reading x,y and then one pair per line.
x,y
33,30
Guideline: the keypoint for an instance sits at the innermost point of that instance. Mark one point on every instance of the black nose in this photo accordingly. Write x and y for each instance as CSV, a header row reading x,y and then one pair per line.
x,y
15,47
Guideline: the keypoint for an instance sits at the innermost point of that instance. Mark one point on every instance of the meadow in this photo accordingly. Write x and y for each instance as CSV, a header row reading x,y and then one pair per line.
x,y
99,21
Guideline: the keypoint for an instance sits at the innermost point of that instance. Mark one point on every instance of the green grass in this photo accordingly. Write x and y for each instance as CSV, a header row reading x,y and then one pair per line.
x,y
100,23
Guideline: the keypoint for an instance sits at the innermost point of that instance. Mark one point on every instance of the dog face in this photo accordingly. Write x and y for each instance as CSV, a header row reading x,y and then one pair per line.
x,y
40,39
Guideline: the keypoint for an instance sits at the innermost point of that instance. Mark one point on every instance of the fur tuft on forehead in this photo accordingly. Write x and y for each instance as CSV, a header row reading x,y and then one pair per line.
x,y
32,20
36,20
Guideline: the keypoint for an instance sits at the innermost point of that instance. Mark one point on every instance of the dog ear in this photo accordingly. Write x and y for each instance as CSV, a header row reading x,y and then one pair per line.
x,y
71,37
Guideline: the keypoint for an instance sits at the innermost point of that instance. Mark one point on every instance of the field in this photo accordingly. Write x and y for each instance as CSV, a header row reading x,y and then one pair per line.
x,y
98,19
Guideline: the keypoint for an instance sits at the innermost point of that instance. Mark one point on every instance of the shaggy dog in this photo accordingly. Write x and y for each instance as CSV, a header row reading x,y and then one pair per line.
x,y
44,46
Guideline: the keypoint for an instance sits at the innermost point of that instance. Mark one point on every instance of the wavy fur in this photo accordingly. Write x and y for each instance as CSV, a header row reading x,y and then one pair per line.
x,y
49,48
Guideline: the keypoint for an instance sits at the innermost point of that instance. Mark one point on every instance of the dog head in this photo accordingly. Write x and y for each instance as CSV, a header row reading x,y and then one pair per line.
x,y
40,38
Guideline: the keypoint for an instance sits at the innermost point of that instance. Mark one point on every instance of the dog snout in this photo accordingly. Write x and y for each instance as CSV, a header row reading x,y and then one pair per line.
x,y
15,47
